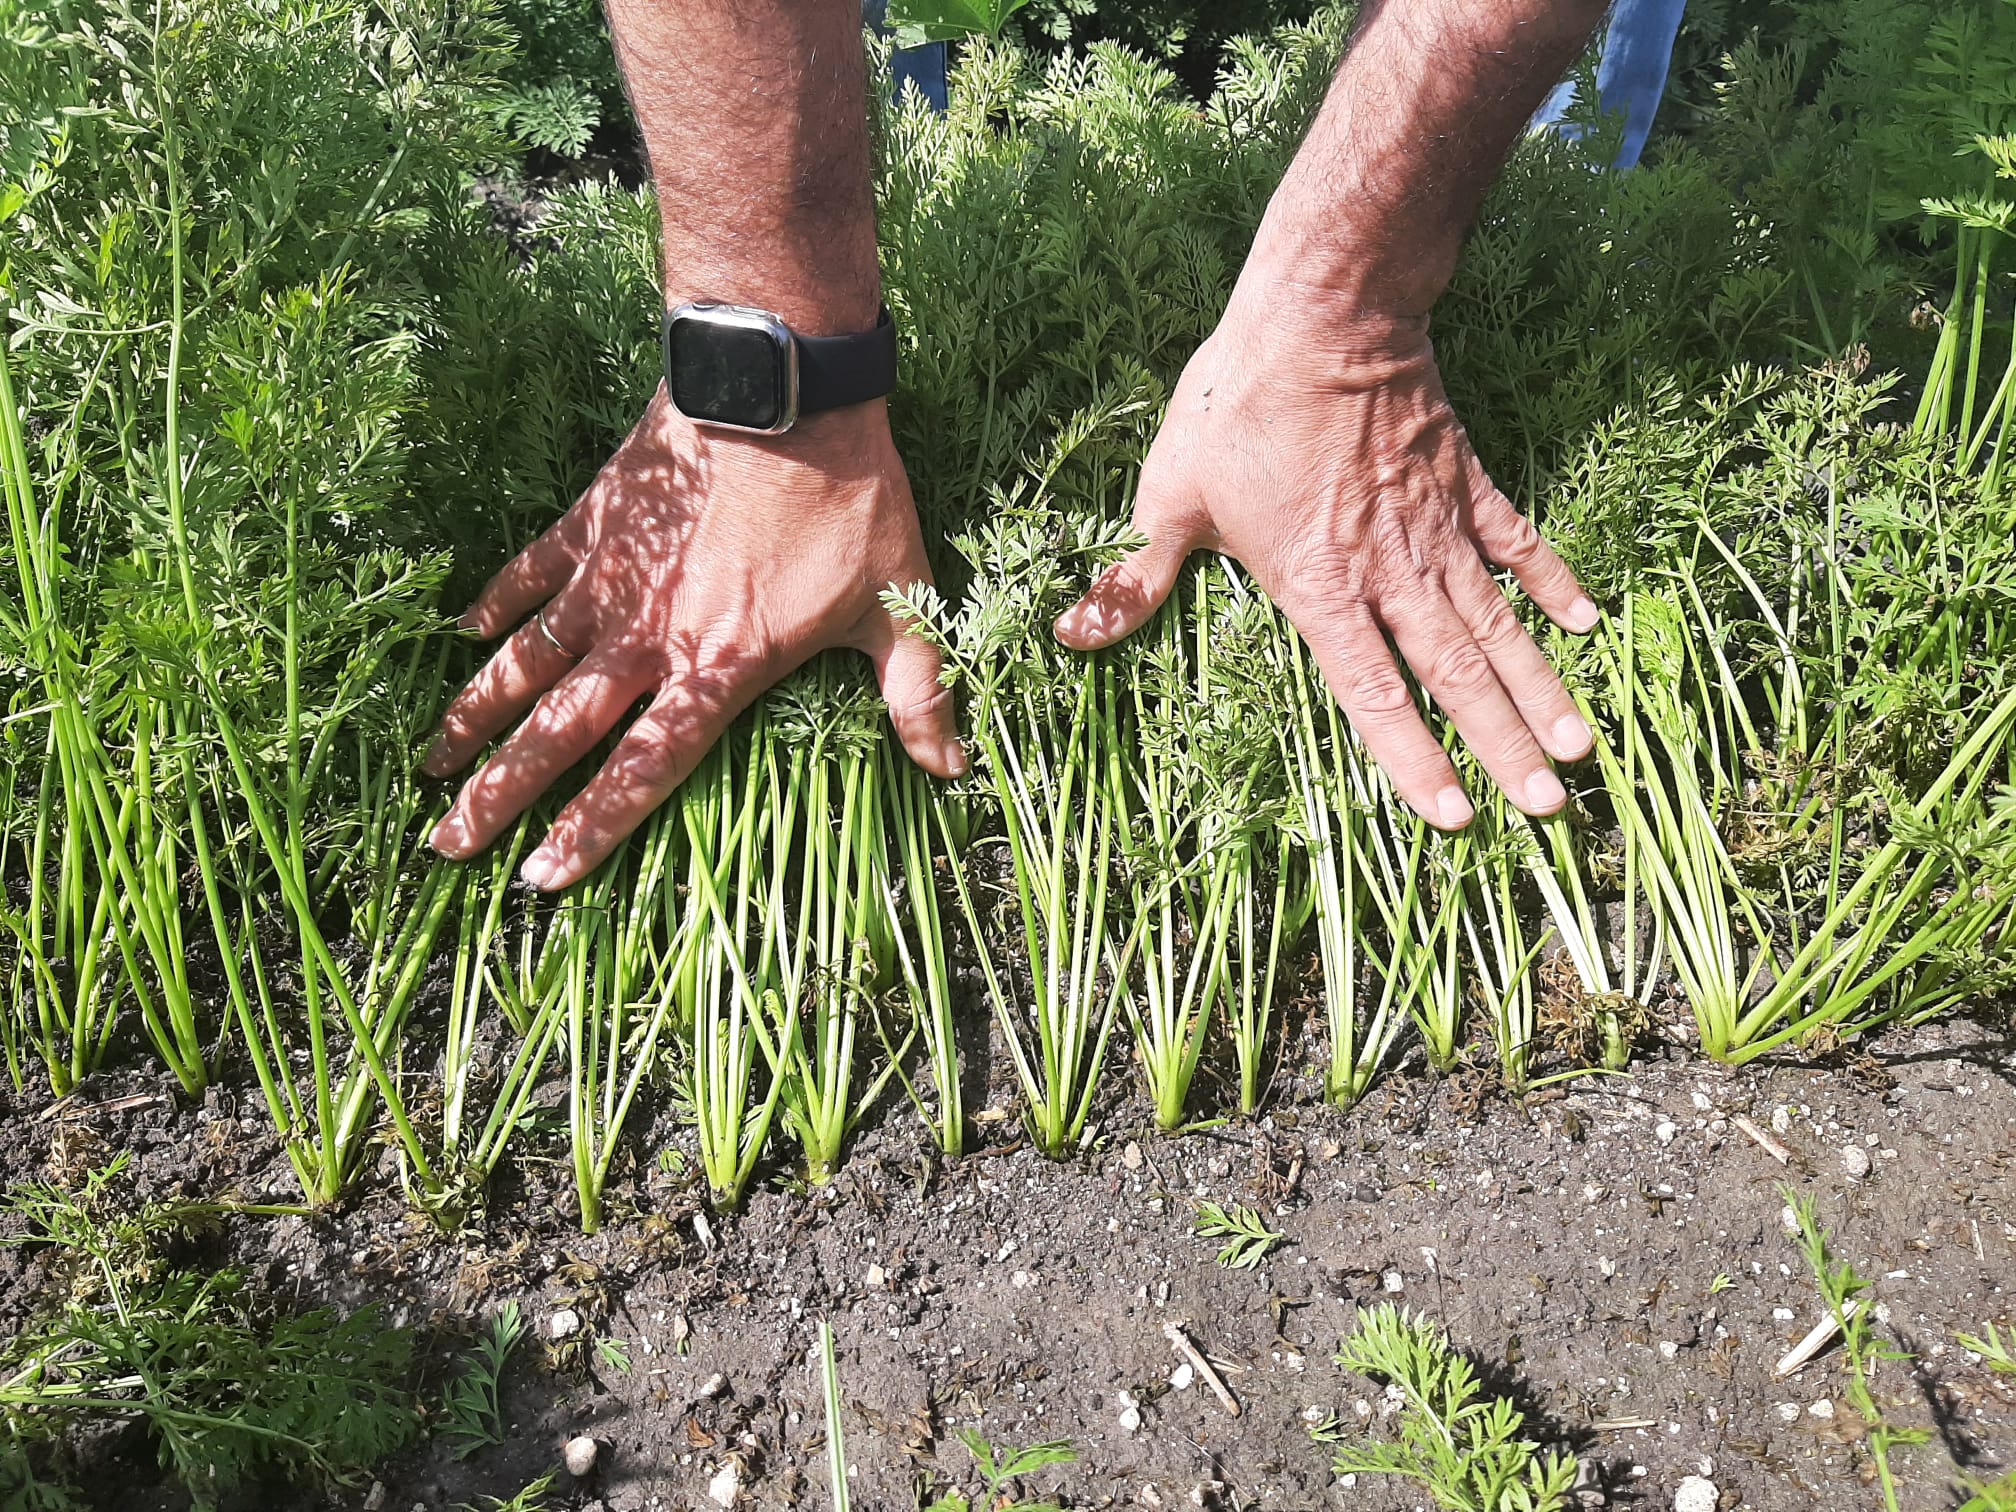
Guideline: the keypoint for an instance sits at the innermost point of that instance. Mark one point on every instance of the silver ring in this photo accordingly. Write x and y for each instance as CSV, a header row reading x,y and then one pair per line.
x,y
552,640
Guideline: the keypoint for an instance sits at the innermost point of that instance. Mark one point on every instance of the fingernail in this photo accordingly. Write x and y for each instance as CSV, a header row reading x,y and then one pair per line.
x,y
1452,809
539,870
1571,737
469,624
1544,792
1070,624
450,837
954,757
435,762
1582,615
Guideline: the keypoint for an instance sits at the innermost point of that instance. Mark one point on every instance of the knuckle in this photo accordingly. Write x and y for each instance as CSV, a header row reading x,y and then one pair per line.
x,y
1371,688
1458,666
924,705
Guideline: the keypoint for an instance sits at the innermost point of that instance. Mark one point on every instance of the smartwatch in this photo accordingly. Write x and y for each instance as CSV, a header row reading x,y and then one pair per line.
x,y
746,370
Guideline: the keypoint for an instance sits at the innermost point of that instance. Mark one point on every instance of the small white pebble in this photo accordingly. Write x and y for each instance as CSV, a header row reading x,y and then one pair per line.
x,y
1668,1350
1854,1162
1788,1412
1696,1494
1392,1281
1181,1377
564,1324
1781,1120
579,1456
1593,1191
1702,1102
1783,1314
1665,1131
1822,1408
726,1486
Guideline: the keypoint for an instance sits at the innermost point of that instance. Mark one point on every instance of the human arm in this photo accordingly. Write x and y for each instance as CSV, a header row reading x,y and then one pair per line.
x,y
1310,437
701,566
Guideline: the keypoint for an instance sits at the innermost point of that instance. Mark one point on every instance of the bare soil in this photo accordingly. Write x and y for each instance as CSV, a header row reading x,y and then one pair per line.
x,y
1613,1252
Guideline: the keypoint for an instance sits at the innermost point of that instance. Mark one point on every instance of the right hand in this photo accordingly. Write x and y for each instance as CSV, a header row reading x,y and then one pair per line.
x,y
700,568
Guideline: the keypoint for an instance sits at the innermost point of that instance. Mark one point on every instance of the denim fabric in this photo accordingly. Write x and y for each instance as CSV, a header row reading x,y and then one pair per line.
x,y
921,66
1637,49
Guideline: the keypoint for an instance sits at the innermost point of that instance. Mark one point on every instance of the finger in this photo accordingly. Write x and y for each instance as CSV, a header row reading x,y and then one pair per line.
x,y
1120,601
1457,673
525,582
1521,667
920,705
1513,542
524,667
1358,666
579,710
657,753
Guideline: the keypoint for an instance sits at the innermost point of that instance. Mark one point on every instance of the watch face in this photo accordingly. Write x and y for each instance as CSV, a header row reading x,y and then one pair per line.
x,y
725,367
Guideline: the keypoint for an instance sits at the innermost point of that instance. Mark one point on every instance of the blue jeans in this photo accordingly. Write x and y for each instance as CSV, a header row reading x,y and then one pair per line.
x,y
1637,50
923,67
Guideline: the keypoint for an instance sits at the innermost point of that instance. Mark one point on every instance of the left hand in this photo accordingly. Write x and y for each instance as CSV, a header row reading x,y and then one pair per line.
x,y
1324,456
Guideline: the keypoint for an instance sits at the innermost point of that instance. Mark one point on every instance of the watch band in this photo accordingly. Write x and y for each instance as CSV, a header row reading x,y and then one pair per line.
x,y
836,371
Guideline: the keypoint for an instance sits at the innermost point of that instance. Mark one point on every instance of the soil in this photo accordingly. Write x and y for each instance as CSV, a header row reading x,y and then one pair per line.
x,y
1611,1252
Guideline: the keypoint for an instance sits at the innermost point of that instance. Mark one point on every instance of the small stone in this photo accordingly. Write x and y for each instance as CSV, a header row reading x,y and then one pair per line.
x,y
374,1501
1130,1420
1131,1156
1696,1493
877,1276
1854,1162
1593,1191
1665,1131
1392,1281
580,1455
713,1386
1822,1409
1788,1412
1702,1102
1783,1314
1606,1265
564,1324
726,1485
1022,1280
1668,1350
1781,1120
1181,1377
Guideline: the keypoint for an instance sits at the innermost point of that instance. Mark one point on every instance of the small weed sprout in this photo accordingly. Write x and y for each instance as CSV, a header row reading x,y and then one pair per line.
x,y
1997,1353
1248,1239
1459,1443
1840,1286
614,1355
997,1469
473,1413
531,1499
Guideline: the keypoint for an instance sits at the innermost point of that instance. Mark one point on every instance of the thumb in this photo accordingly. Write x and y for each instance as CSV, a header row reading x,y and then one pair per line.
x,y
920,706
1122,598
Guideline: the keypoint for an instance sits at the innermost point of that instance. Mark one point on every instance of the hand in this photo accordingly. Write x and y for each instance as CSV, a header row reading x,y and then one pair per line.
x,y
1327,460
698,569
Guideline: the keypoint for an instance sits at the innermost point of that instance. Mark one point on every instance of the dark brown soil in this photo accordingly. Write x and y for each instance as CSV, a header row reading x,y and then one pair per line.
x,y
1613,1253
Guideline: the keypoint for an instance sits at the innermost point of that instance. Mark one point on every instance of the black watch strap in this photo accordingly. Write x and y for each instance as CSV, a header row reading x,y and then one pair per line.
x,y
836,371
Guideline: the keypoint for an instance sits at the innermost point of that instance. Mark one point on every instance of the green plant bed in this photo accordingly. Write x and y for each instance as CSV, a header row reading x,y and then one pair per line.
x,y
296,392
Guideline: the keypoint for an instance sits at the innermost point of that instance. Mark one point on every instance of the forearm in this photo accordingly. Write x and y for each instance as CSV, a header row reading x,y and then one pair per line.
x,y
1425,109
754,116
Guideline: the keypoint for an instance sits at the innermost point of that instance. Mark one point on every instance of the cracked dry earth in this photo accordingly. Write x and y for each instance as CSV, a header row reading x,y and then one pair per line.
x,y
1614,1253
